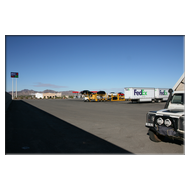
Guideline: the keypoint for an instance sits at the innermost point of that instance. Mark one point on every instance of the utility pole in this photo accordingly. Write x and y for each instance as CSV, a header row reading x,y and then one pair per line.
x,y
16,87
12,88
14,75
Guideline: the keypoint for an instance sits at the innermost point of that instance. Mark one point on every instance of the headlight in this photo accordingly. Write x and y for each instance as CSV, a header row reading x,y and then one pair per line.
x,y
167,122
160,121
150,118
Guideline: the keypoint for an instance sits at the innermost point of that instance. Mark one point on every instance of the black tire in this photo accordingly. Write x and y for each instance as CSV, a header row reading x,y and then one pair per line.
x,y
153,136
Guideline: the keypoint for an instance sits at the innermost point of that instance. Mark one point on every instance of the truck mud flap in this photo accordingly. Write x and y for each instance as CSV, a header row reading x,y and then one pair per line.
x,y
166,131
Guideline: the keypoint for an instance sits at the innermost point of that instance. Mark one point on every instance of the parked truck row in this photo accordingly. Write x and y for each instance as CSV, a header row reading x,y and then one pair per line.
x,y
102,96
130,94
146,94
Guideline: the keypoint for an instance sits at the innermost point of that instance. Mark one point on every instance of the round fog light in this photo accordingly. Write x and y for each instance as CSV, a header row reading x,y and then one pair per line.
x,y
160,121
167,122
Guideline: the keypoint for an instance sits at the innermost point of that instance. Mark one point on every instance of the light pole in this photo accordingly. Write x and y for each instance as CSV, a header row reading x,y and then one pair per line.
x,y
14,75
12,88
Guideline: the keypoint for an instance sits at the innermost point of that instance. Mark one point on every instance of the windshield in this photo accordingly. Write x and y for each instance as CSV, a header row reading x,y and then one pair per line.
x,y
178,99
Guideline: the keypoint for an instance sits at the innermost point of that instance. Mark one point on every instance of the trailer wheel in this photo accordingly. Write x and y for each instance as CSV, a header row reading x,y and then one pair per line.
x,y
159,101
153,136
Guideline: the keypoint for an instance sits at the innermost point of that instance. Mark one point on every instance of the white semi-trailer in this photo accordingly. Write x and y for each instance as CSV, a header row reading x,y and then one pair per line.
x,y
161,94
136,94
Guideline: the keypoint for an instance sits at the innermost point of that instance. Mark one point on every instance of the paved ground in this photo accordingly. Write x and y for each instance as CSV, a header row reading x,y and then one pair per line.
x,y
74,126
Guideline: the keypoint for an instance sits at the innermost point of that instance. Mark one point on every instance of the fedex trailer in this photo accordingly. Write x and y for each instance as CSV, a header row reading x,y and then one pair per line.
x,y
136,94
161,94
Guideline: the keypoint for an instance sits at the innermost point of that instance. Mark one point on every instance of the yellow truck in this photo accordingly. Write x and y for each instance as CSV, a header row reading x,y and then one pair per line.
x,y
96,97
101,96
116,97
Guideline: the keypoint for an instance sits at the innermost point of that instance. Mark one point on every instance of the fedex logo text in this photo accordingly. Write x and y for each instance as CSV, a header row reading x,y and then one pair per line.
x,y
163,93
140,93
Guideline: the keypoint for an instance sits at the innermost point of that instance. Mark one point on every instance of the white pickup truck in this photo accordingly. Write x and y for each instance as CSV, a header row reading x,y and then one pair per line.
x,y
170,121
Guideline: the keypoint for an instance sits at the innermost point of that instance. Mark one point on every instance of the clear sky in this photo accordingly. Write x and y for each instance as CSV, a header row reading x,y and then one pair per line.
x,y
107,63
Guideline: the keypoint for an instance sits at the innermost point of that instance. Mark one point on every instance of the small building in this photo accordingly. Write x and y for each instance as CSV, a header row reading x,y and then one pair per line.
x,y
47,95
51,95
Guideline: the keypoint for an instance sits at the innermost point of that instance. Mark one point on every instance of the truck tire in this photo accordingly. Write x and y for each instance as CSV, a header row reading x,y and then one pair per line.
x,y
153,136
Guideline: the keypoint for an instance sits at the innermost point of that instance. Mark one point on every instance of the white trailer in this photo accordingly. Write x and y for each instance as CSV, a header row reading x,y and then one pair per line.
x,y
39,95
146,94
161,94
139,94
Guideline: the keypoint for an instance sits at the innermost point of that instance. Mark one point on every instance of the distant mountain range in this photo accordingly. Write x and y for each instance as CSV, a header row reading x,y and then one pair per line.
x,y
27,92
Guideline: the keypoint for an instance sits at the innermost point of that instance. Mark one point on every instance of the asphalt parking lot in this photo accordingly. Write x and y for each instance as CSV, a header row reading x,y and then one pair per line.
x,y
76,127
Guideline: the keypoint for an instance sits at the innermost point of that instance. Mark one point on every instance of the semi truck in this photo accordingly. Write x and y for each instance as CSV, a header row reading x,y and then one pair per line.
x,y
136,94
169,123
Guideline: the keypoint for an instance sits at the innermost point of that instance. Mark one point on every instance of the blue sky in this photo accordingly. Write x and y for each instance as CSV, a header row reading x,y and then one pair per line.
x,y
107,63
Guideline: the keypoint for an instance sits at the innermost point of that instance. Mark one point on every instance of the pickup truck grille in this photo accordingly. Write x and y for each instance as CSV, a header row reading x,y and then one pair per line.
x,y
166,121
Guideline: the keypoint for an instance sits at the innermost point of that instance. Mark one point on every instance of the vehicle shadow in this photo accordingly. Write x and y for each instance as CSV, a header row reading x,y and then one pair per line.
x,y
30,130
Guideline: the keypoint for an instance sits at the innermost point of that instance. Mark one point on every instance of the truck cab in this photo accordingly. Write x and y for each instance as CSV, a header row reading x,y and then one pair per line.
x,y
170,121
